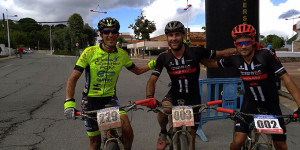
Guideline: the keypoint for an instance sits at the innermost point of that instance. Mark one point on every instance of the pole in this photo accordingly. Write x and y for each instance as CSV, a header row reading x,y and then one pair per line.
x,y
144,49
187,24
8,40
50,42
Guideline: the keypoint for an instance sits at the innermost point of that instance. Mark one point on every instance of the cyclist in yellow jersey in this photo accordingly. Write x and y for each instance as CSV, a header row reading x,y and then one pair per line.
x,y
102,64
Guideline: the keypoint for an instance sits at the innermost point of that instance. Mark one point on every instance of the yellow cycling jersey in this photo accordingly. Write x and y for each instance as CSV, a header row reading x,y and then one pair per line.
x,y
102,69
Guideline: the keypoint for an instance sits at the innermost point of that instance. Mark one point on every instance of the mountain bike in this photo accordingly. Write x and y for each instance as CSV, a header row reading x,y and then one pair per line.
x,y
180,122
109,123
261,128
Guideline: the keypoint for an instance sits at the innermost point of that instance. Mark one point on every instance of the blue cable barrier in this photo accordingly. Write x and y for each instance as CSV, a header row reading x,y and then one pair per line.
x,y
230,90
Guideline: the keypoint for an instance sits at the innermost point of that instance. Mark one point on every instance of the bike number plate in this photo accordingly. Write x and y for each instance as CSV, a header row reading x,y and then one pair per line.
x,y
182,115
108,118
267,124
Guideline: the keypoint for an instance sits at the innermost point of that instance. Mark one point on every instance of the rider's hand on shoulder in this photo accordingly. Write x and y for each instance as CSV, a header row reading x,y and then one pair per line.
x,y
70,108
152,64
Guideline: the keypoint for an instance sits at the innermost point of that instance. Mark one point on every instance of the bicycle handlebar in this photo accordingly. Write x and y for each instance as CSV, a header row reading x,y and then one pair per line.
x,y
140,102
230,111
224,110
214,102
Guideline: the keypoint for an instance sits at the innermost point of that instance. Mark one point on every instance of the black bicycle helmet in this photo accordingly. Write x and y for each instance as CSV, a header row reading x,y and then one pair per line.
x,y
108,22
174,26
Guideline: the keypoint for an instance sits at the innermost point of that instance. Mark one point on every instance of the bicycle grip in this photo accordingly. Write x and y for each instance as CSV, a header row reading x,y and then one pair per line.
x,y
295,116
144,101
229,111
77,113
214,102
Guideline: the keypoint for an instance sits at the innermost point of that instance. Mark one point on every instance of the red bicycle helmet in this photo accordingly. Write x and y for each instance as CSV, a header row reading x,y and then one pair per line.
x,y
243,29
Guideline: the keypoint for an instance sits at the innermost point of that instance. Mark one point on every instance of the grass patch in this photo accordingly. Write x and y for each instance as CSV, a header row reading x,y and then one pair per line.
x,y
65,52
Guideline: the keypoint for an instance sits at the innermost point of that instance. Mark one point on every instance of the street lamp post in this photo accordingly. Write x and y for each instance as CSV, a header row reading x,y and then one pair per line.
x,y
8,40
98,12
292,18
187,24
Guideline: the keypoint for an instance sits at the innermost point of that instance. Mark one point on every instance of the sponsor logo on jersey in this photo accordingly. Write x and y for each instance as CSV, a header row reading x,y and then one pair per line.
x,y
103,73
116,58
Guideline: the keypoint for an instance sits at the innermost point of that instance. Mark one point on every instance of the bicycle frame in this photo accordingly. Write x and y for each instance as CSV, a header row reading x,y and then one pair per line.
x,y
174,133
252,141
111,134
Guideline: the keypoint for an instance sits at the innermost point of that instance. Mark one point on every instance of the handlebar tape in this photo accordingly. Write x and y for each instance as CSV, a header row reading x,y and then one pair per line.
x,y
77,113
144,101
214,102
229,111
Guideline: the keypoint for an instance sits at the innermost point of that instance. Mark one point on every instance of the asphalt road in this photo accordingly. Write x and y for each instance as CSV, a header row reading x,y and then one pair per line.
x,y
31,107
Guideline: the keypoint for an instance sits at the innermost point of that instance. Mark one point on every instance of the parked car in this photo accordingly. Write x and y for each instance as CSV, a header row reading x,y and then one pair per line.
x,y
27,51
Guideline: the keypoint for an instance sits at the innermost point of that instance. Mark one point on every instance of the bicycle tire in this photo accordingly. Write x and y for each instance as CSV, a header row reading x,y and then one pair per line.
x,y
183,142
112,146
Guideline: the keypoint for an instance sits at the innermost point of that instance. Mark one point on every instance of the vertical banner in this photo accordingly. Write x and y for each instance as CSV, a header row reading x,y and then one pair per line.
x,y
221,17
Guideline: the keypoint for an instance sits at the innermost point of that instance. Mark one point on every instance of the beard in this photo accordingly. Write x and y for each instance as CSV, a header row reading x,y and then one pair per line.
x,y
176,48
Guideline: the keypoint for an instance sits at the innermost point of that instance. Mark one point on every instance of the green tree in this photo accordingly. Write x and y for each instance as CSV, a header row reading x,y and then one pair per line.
x,y
28,25
274,40
143,27
89,35
121,40
75,23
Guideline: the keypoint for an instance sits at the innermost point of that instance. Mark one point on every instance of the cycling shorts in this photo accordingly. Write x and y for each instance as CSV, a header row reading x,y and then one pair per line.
x,y
95,103
173,100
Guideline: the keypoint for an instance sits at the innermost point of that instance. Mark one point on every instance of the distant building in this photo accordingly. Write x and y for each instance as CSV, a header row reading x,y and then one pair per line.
x,y
159,42
296,43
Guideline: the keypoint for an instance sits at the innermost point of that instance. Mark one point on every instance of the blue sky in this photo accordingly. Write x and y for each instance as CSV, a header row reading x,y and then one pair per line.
x,y
159,11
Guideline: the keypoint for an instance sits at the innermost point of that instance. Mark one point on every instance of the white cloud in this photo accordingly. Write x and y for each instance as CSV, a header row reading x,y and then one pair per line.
x,y
269,18
163,11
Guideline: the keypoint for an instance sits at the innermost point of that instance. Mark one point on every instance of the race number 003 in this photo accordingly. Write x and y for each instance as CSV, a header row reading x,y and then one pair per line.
x,y
182,115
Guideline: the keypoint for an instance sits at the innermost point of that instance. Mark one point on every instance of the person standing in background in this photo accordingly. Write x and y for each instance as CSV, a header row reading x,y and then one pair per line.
x,y
20,51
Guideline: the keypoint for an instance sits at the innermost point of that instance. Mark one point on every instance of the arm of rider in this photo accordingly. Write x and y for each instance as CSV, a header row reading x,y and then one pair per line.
x,y
70,104
210,63
139,70
292,88
226,52
150,89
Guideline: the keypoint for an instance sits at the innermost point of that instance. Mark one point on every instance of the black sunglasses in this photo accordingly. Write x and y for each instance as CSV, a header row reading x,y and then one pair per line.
x,y
107,31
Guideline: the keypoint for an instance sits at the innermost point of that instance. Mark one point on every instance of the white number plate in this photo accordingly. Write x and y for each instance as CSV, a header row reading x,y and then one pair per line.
x,y
182,115
108,118
267,124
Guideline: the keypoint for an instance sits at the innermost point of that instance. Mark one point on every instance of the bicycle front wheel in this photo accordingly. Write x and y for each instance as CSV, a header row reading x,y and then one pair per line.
x,y
183,142
112,146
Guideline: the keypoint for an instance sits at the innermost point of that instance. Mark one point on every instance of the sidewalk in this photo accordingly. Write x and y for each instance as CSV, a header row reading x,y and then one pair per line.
x,y
7,57
286,99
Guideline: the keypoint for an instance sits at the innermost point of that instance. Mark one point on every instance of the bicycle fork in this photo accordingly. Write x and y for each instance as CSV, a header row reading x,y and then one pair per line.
x,y
176,138
112,135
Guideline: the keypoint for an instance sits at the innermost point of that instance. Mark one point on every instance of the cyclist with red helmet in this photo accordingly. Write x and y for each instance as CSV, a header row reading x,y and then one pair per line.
x,y
102,64
258,69
182,65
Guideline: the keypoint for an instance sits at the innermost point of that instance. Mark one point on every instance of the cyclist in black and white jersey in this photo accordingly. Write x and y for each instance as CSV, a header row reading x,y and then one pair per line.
x,y
258,69
182,64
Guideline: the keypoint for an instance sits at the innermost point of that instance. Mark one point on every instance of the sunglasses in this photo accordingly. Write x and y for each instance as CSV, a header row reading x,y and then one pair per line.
x,y
107,31
246,43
